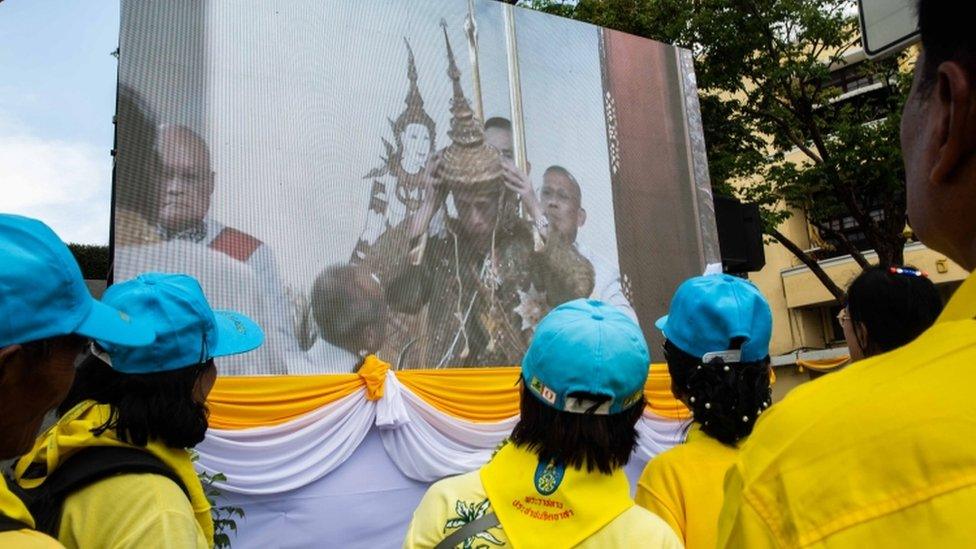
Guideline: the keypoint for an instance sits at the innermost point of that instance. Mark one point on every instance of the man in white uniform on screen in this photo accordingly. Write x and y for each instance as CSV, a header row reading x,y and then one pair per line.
x,y
561,201
185,190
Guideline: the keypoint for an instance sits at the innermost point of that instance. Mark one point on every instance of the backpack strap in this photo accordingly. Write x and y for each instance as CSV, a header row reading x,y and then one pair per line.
x,y
469,530
8,524
85,468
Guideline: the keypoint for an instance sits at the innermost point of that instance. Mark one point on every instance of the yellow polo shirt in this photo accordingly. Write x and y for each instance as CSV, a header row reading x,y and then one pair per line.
x,y
882,454
684,487
130,512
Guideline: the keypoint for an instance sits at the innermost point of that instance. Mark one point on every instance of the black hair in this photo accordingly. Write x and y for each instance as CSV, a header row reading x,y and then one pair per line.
x,y
894,308
158,406
498,122
725,398
947,35
596,442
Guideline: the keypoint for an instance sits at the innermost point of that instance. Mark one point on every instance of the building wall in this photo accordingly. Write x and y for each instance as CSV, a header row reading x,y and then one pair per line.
x,y
803,289
770,283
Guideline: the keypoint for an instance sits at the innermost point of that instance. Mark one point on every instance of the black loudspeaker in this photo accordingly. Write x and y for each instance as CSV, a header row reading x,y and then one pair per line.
x,y
739,235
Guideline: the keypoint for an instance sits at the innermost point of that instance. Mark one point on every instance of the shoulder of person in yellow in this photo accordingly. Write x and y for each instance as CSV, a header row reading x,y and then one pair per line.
x,y
851,459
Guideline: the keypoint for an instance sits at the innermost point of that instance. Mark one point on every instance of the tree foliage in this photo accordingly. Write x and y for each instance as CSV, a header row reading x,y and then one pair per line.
x,y
776,133
93,260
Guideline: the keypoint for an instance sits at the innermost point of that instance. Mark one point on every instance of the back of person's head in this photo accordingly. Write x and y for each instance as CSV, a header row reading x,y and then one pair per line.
x,y
159,391
717,334
583,378
947,35
888,308
937,125
349,308
163,406
48,313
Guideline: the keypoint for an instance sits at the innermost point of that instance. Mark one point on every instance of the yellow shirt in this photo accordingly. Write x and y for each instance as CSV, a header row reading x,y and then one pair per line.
x,y
451,502
882,454
12,507
684,487
130,512
135,510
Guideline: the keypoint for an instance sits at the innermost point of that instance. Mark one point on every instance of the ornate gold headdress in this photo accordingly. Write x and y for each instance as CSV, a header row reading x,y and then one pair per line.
x,y
414,113
468,163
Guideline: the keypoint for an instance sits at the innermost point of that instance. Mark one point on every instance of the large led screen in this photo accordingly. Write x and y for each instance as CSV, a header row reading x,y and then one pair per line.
x,y
417,179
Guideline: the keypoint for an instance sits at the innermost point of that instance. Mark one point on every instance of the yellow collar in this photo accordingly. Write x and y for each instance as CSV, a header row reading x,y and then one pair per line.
x,y
12,507
540,504
73,432
962,306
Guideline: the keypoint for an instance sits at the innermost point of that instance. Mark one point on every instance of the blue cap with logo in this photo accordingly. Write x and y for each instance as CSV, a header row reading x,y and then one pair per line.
x,y
708,311
188,331
43,295
587,346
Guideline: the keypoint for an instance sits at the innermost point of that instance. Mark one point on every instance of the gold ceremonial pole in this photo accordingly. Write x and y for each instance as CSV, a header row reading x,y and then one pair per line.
x,y
518,117
515,88
471,31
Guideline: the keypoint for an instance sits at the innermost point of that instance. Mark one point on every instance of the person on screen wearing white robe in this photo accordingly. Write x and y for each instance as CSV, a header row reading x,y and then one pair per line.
x,y
185,191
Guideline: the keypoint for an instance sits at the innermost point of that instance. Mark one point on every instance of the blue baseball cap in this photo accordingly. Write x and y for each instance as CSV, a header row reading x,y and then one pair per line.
x,y
708,311
188,331
43,295
591,347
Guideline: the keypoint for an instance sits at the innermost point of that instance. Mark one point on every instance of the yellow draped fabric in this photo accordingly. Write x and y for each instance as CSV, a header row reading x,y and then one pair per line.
x,y
242,402
471,394
657,393
824,365
373,373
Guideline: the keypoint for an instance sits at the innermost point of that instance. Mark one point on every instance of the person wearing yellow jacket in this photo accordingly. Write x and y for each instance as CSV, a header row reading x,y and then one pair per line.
x,y
717,334
152,399
47,314
882,454
559,481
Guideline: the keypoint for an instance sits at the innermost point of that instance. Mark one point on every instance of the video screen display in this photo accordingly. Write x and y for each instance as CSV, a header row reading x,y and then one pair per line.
x,y
418,179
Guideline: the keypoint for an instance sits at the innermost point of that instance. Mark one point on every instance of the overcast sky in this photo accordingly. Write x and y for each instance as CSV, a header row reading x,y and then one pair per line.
x,y
57,97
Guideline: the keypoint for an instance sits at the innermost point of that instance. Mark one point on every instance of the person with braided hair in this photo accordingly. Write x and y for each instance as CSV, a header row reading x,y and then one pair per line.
x,y
716,345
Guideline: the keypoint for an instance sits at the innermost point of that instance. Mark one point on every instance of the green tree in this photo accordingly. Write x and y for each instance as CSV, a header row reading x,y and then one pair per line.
x,y
93,260
764,74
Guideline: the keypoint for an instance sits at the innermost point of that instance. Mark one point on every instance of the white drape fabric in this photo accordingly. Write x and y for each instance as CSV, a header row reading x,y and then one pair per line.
x,y
656,434
424,443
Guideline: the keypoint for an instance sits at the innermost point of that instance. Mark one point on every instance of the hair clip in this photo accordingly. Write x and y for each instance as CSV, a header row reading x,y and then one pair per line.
x,y
98,353
731,355
708,405
908,271
691,400
745,419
